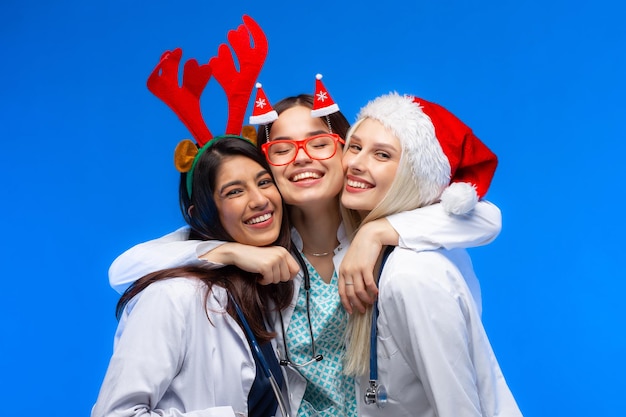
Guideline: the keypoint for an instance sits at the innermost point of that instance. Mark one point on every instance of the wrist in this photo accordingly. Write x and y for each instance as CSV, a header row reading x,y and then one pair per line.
x,y
382,232
223,254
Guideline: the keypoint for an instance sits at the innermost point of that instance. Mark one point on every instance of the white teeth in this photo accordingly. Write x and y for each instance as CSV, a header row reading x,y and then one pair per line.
x,y
357,184
305,175
260,219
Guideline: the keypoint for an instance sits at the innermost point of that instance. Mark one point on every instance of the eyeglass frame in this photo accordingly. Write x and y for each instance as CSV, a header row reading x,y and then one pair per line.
x,y
301,144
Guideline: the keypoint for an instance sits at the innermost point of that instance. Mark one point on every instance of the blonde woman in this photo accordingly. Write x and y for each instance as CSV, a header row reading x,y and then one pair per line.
x,y
429,354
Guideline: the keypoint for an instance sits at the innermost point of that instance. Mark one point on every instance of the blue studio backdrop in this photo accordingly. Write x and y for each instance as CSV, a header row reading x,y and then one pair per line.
x,y
87,167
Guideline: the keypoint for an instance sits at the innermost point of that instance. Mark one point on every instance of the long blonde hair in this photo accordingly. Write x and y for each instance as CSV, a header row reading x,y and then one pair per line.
x,y
404,194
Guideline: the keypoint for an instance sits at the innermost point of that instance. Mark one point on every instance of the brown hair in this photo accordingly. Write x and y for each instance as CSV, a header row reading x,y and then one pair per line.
x,y
256,301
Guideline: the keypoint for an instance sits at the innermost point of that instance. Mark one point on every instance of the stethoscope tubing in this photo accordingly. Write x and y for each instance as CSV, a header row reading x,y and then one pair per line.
x,y
376,393
374,344
315,357
256,350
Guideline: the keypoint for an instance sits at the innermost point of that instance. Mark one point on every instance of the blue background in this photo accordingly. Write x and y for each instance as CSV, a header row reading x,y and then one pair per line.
x,y
87,169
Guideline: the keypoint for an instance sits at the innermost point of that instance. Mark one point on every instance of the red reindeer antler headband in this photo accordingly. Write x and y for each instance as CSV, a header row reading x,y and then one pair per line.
x,y
237,84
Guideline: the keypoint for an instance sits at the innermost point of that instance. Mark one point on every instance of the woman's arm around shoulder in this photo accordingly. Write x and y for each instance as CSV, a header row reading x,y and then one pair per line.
x,y
431,227
425,228
169,251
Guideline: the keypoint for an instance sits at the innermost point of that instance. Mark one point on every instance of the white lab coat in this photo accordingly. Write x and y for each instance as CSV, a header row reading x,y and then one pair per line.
x,y
169,360
434,356
421,229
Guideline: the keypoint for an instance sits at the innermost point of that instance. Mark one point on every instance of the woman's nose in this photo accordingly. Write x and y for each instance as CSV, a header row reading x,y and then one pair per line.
x,y
355,163
301,155
258,200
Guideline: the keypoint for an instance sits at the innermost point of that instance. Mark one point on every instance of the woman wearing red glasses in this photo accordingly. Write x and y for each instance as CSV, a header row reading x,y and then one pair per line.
x,y
305,153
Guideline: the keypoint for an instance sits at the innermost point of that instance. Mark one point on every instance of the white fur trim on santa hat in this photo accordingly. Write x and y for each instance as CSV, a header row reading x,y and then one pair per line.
x,y
333,108
406,120
264,119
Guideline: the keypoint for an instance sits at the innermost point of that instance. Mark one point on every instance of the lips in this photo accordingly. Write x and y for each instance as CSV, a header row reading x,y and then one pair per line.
x,y
259,219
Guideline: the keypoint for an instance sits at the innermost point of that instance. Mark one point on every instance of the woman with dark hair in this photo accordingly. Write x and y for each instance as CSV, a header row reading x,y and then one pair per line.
x,y
310,179
187,337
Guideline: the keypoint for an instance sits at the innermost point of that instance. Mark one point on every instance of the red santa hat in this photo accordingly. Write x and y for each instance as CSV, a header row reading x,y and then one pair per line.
x,y
447,160
262,112
323,104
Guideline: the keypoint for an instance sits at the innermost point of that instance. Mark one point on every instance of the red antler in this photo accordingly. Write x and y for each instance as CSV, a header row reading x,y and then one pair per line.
x,y
238,85
185,100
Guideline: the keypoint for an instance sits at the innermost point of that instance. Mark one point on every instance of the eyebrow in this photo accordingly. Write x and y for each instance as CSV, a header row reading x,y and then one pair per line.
x,y
308,134
383,145
239,182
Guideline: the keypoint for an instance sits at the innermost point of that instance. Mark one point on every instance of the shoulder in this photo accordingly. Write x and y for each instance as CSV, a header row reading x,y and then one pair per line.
x,y
175,287
407,261
435,270
179,293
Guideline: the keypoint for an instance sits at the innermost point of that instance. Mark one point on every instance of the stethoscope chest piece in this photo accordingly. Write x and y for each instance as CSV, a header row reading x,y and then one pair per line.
x,y
376,394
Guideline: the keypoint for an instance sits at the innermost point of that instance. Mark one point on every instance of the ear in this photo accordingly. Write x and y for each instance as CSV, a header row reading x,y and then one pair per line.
x,y
184,155
190,211
249,132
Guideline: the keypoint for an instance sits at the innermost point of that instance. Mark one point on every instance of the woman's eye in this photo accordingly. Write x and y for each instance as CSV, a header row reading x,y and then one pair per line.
x,y
265,182
354,148
234,192
281,148
383,155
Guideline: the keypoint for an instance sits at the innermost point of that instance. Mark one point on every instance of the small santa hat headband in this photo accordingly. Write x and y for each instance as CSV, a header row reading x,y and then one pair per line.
x,y
448,161
262,113
323,104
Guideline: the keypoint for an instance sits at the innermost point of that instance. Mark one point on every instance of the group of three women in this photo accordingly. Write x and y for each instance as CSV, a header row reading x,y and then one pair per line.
x,y
200,338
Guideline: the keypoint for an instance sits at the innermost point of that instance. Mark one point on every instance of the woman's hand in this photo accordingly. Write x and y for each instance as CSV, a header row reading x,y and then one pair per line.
x,y
274,263
357,286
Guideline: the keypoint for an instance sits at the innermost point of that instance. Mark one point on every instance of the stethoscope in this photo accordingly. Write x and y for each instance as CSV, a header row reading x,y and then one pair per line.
x,y
376,393
315,357
258,353
256,348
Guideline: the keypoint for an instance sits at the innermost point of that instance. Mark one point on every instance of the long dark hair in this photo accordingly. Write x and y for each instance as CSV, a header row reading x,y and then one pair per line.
x,y
338,122
255,300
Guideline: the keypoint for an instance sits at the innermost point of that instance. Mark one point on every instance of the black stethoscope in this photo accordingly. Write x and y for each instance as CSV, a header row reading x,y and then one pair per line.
x,y
315,357
376,393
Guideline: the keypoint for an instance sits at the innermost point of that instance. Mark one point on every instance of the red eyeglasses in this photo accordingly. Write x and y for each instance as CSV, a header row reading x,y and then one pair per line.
x,y
319,147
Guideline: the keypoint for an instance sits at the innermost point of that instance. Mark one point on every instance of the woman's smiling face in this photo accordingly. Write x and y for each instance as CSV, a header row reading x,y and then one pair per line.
x,y
248,202
371,160
305,180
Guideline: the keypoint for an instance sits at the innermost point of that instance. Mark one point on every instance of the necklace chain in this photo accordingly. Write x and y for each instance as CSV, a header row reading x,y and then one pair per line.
x,y
317,254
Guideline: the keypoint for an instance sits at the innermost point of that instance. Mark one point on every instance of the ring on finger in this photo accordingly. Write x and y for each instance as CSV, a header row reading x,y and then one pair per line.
x,y
349,283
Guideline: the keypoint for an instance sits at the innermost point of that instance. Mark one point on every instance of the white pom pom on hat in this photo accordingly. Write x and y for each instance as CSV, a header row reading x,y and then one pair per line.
x,y
448,161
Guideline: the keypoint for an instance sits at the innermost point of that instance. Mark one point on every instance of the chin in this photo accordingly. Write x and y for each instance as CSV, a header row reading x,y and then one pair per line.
x,y
263,240
353,204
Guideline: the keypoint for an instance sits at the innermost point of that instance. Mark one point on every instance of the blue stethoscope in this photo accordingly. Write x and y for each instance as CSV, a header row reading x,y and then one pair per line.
x,y
258,353
376,393
256,348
